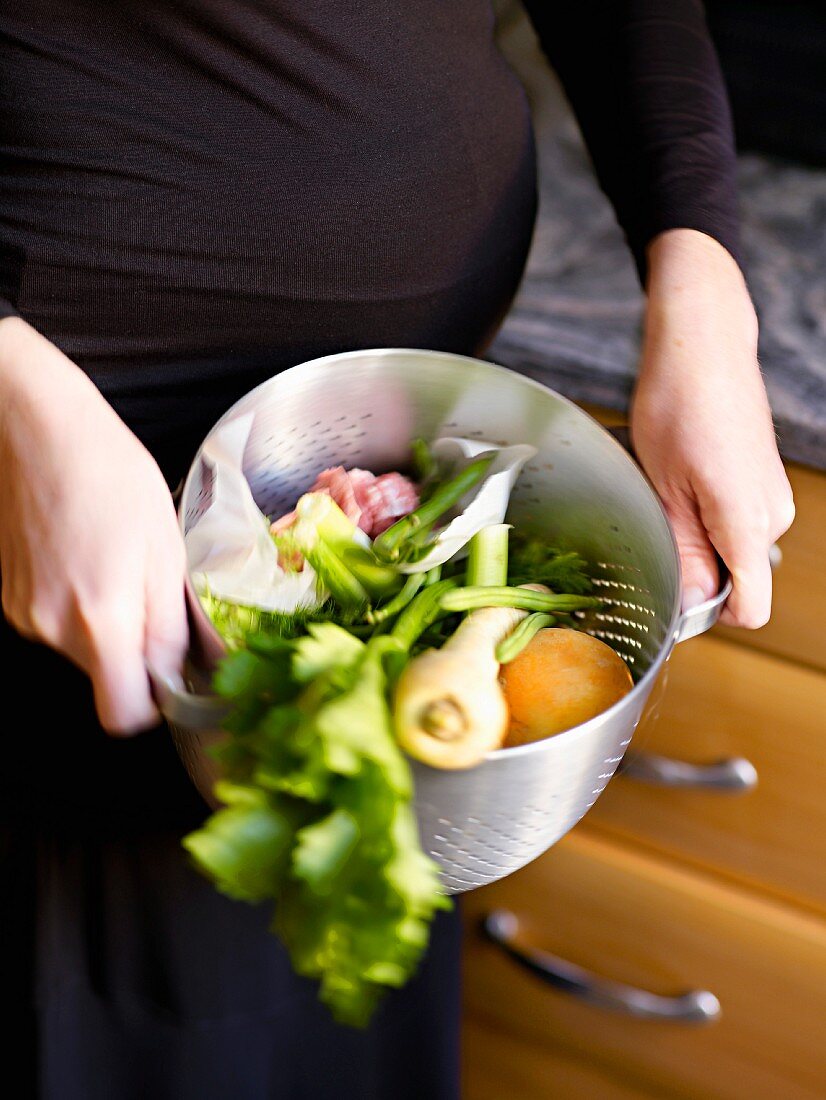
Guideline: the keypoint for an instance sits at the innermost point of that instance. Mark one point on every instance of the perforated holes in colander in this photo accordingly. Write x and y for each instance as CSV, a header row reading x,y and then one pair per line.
x,y
284,465
627,621
202,499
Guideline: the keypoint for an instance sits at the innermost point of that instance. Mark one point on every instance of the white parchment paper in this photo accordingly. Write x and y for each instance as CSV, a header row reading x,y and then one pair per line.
x,y
229,550
232,555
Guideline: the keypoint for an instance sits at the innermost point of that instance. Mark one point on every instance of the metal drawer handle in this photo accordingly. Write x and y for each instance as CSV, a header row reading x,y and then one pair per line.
x,y
699,1006
733,776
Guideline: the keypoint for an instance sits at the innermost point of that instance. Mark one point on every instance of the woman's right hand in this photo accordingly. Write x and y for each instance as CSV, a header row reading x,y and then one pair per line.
x,y
91,558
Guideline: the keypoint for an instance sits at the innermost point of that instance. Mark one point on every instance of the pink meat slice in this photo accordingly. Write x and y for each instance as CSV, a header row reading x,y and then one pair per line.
x,y
372,503
338,483
283,522
390,497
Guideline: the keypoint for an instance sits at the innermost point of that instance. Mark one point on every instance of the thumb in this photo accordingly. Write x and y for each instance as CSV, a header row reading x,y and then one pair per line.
x,y
698,562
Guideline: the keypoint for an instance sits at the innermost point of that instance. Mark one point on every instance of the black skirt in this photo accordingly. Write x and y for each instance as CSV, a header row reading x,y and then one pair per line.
x,y
149,984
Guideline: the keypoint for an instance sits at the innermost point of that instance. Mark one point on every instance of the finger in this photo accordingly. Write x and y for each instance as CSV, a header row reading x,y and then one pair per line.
x,y
698,562
167,631
749,604
16,600
117,668
740,527
783,511
123,699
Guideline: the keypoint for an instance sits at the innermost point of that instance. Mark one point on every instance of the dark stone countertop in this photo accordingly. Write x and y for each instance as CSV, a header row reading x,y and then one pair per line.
x,y
575,324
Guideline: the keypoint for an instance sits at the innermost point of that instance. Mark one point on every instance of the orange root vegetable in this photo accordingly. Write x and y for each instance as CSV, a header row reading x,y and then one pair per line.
x,y
561,678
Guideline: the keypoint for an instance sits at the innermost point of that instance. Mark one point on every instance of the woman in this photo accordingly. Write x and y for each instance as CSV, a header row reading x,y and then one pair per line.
x,y
193,195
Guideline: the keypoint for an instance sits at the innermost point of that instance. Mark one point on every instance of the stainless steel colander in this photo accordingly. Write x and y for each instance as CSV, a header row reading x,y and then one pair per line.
x,y
581,491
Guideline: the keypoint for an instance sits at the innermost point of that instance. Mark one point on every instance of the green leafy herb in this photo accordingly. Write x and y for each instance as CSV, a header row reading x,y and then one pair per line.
x,y
318,813
238,623
533,561
246,845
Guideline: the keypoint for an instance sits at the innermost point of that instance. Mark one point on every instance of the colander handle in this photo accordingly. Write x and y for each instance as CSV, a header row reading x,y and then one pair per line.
x,y
699,619
698,1006
188,710
702,617
195,710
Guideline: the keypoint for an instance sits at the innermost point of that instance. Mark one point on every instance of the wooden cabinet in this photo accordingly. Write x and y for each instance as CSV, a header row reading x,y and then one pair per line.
x,y
719,700
654,924
677,888
499,1064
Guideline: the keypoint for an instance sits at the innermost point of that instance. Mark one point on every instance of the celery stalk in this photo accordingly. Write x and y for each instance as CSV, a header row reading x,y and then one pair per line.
x,y
378,579
488,556
323,534
342,585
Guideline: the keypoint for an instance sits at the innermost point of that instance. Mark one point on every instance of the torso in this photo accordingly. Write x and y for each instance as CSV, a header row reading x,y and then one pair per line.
x,y
196,194
215,177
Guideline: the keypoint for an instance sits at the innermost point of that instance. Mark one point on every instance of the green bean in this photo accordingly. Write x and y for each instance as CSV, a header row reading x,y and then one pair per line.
x,y
473,597
424,464
388,545
422,612
516,641
400,601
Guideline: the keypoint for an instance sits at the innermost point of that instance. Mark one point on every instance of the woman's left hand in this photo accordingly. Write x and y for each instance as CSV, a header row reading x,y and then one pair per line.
x,y
701,423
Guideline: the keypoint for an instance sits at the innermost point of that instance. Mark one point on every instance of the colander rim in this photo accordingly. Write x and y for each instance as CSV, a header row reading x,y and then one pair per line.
x,y
583,729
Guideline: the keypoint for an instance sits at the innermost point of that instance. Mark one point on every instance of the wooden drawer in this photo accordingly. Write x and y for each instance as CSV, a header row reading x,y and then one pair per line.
x,y
639,919
719,700
498,1064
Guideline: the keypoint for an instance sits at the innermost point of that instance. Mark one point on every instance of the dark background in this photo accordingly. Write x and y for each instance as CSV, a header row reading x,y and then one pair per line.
x,y
773,54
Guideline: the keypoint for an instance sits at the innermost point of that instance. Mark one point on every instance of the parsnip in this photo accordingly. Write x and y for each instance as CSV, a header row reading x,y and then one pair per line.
x,y
449,708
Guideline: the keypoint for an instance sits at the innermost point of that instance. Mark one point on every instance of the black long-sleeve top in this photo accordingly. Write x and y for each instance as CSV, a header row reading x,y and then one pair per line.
x,y
200,181
646,87
196,193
